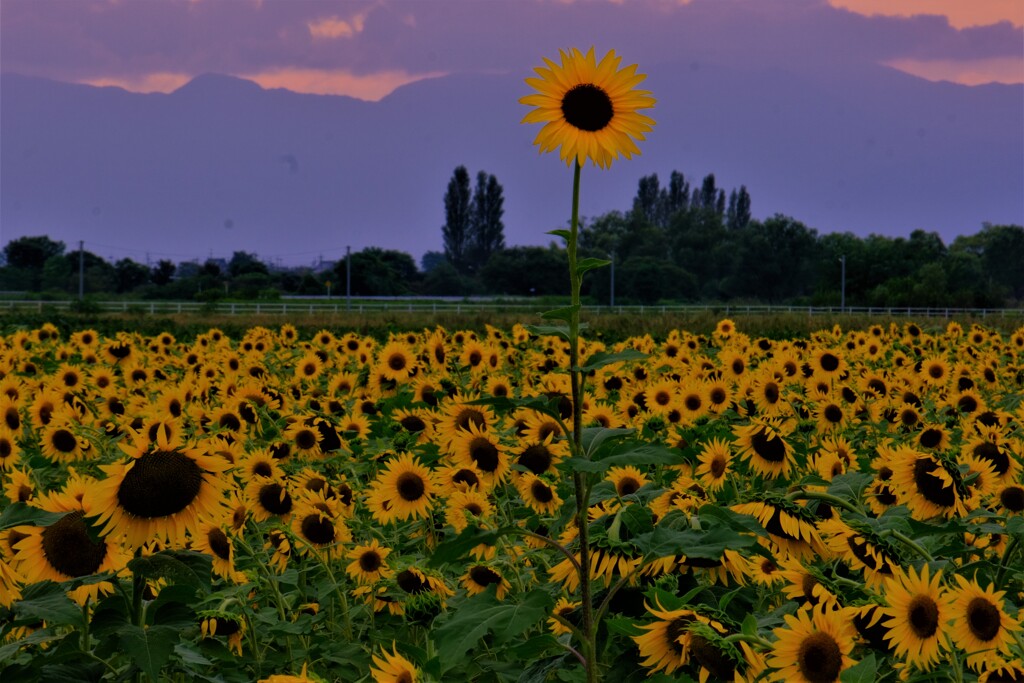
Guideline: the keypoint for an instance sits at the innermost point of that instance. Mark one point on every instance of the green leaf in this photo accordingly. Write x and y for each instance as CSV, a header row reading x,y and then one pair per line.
x,y
564,313
602,358
865,671
583,265
178,567
850,486
561,232
453,550
18,514
47,601
546,330
749,625
591,438
483,614
623,626
149,648
734,520
631,453
638,519
706,544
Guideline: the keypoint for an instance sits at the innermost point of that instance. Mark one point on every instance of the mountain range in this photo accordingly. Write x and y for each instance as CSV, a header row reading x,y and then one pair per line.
x,y
222,164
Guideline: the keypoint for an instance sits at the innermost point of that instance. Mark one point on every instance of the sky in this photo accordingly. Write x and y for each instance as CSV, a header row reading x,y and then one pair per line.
x,y
367,48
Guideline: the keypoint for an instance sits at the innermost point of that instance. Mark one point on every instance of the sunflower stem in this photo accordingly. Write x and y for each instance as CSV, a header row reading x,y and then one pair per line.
x,y
551,542
1011,550
579,480
910,543
834,501
750,638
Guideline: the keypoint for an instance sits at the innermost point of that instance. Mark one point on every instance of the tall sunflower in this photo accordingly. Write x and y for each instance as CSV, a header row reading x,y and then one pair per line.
x,y
814,646
918,613
392,667
159,494
407,487
588,108
369,563
980,625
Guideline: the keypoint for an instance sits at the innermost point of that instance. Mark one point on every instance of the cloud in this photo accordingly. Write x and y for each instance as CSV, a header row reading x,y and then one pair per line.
x,y
371,87
361,47
959,13
965,72
164,82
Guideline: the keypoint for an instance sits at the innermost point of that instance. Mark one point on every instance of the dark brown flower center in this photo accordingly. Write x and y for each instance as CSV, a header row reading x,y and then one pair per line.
x,y
930,486
410,582
829,362
219,543
983,619
541,492
819,659
1012,498
536,458
275,499
370,561
587,107
305,439
923,616
160,484
484,576
410,486
68,548
484,454
627,485
317,529
64,441
468,416
768,447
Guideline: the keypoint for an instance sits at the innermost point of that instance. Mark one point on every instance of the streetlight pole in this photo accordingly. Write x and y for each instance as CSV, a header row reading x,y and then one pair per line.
x,y
348,278
842,290
81,270
612,301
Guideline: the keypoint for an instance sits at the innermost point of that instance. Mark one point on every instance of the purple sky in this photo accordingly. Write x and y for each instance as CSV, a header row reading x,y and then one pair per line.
x,y
366,49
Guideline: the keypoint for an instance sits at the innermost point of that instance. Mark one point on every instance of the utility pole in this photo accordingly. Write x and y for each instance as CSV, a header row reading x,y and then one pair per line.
x,y
842,290
612,303
81,270
348,278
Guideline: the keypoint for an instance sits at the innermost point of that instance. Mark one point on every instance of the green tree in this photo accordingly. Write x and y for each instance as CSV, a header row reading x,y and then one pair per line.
x,y
163,271
738,214
380,272
25,259
130,275
526,271
456,230
243,262
486,230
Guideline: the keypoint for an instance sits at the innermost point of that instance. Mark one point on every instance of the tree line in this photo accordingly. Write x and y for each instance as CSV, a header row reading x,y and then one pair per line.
x,y
675,243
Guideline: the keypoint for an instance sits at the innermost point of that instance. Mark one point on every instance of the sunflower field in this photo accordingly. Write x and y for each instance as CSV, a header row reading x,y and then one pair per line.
x,y
348,508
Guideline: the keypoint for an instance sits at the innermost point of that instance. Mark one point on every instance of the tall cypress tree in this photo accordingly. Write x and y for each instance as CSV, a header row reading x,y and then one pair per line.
x,y
456,230
486,230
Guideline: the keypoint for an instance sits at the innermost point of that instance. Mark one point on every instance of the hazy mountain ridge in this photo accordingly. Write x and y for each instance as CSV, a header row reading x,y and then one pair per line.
x,y
222,164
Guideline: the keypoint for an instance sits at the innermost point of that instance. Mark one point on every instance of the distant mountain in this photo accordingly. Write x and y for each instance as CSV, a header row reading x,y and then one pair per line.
x,y
222,164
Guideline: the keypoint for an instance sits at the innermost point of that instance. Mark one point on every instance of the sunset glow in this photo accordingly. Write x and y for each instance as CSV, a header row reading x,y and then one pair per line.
x,y
970,72
960,13
370,87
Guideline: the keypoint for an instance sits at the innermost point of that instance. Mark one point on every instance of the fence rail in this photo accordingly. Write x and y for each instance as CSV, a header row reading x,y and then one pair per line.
x,y
301,307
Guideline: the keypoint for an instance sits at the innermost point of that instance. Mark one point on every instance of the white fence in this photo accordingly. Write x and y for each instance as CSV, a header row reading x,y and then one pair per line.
x,y
340,306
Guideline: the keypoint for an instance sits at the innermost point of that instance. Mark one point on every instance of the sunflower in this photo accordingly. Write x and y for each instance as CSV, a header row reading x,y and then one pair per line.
x,y
65,550
813,647
981,627
309,367
369,563
934,371
627,480
479,578
588,108
539,495
1004,672
212,539
761,443
928,486
318,524
269,498
466,505
10,451
159,494
393,668
407,487
214,623
667,645
566,610
714,461
790,526
828,364
9,584
1011,499
483,450
20,487
396,362
541,456
918,613
303,438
